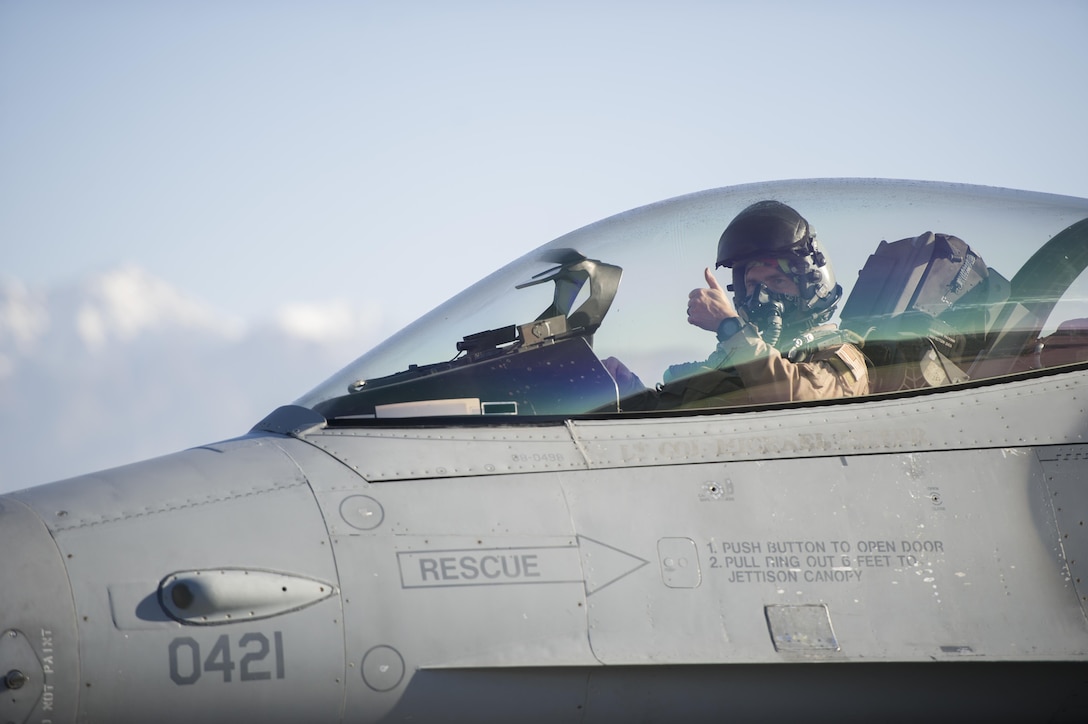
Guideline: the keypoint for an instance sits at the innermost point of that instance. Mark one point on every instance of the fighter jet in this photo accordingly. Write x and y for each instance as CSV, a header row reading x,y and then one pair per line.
x,y
482,520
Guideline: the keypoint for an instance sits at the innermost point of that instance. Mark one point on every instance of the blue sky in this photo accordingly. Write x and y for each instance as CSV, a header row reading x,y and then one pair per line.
x,y
387,154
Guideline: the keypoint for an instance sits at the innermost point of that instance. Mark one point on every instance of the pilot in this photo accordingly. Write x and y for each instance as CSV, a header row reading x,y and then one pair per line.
x,y
775,342
774,335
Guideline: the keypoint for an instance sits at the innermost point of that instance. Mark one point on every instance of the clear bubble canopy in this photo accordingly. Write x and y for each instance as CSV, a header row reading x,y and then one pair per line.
x,y
534,338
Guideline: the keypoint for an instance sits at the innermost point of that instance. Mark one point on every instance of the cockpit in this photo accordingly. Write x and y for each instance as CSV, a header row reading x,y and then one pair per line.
x,y
1002,292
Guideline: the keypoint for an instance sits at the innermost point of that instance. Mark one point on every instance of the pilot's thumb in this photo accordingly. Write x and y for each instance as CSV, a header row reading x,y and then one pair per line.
x,y
711,281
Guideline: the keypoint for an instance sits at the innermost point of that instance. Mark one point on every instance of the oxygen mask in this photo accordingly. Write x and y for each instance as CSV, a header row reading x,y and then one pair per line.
x,y
765,309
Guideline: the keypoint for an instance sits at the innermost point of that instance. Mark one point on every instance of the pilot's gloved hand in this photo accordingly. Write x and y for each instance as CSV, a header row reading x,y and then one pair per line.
x,y
626,380
709,307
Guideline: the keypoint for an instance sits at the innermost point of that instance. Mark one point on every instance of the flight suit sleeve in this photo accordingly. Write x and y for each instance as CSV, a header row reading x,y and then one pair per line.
x,y
836,371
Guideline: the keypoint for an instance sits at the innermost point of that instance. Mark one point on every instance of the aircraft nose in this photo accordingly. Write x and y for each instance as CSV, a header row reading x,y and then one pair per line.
x,y
39,662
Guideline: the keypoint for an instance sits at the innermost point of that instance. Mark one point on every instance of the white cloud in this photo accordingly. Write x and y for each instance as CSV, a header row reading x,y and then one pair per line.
x,y
122,366
23,315
118,306
330,321
126,302
91,326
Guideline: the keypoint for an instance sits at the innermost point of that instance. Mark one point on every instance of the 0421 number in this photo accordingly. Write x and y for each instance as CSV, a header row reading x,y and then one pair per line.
x,y
186,664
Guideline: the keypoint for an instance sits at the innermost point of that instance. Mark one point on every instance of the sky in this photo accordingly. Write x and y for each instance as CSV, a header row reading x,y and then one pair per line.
x,y
326,162
390,153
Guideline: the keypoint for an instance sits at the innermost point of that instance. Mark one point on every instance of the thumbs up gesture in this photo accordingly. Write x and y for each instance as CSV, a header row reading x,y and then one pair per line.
x,y
709,306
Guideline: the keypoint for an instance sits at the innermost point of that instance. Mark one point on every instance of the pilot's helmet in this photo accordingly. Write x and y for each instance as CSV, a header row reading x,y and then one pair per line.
x,y
773,230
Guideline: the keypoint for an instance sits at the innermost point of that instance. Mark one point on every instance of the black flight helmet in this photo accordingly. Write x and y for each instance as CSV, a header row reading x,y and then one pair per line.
x,y
772,230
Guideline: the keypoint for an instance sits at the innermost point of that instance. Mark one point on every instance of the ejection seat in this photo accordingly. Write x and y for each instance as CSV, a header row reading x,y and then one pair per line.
x,y
924,306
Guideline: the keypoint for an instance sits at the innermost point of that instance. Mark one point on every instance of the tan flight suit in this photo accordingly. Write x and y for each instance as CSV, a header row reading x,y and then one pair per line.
x,y
744,369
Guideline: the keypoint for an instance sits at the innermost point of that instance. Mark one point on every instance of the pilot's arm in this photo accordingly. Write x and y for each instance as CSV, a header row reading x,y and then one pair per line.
x,y
836,371
767,376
